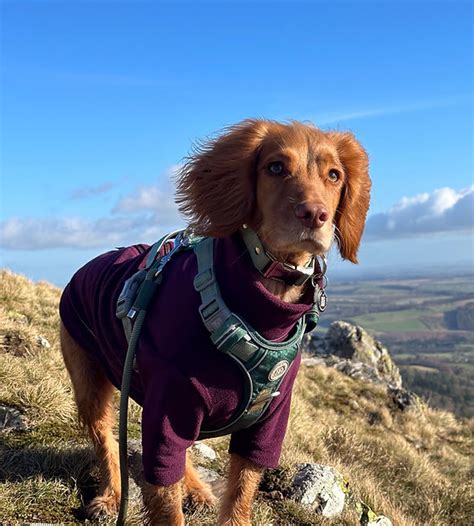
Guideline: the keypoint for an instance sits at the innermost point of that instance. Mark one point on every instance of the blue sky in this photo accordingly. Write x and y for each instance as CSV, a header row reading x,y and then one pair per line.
x,y
102,100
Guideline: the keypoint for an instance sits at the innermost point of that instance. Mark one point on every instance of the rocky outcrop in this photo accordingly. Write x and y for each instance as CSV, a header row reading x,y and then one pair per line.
x,y
354,352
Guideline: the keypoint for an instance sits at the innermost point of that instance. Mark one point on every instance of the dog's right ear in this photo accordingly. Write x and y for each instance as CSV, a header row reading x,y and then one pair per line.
x,y
216,186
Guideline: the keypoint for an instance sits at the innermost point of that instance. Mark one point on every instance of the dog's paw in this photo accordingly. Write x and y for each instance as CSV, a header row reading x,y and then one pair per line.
x,y
102,505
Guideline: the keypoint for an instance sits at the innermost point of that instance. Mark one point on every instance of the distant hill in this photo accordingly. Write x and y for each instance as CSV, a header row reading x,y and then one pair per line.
x,y
427,323
410,465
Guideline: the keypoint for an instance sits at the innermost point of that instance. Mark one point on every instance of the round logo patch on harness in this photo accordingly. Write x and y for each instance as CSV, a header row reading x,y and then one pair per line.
x,y
278,370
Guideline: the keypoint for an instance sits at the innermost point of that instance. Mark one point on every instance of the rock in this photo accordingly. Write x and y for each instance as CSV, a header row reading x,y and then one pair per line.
x,y
353,351
359,371
380,521
207,475
11,419
404,399
324,489
204,451
314,361
319,487
43,342
354,343
211,477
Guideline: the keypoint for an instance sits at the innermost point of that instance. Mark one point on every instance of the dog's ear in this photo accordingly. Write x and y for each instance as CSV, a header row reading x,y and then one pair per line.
x,y
355,198
216,186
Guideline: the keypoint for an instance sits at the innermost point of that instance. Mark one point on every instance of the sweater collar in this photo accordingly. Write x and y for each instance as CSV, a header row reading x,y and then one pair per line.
x,y
245,294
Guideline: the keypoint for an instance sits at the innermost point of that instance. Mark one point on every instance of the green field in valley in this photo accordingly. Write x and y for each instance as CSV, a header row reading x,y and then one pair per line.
x,y
426,323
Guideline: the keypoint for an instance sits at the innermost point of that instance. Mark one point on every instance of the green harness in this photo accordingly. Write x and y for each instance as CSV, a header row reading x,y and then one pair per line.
x,y
263,363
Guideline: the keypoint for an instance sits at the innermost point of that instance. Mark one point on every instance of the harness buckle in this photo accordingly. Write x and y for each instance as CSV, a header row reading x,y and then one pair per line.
x,y
204,279
214,314
264,397
129,293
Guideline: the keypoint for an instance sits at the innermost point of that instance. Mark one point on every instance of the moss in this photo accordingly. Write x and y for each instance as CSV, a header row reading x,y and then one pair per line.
x,y
39,500
47,434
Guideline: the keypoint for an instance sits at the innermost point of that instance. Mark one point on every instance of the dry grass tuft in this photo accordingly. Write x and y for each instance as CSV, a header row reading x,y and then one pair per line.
x,y
413,467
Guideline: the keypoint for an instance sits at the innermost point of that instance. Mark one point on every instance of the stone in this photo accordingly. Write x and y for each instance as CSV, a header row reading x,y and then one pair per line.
x,y
215,481
380,521
207,475
11,419
404,399
354,343
354,352
319,487
43,342
204,451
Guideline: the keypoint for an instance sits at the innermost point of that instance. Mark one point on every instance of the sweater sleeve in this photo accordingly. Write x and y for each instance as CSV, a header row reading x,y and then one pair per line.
x,y
173,411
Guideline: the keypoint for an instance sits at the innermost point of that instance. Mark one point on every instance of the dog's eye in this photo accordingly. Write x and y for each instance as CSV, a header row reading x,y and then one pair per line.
x,y
276,168
334,175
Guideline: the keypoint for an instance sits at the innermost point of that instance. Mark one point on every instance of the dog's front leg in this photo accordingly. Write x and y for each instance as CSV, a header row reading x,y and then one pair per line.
x,y
164,504
242,485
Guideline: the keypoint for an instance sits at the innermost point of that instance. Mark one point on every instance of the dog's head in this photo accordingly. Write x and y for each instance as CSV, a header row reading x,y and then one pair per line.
x,y
297,186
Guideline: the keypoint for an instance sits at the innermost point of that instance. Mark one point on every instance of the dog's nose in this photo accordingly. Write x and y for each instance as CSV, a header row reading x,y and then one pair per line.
x,y
312,215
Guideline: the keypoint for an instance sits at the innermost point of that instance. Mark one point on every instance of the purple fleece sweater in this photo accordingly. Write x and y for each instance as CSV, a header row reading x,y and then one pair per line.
x,y
184,381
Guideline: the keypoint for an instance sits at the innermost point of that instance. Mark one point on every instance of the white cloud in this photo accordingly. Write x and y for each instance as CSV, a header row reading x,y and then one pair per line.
x,y
148,212
152,198
74,232
443,210
141,216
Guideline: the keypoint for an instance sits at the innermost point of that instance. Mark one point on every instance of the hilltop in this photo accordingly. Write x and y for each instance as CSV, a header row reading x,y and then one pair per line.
x,y
411,465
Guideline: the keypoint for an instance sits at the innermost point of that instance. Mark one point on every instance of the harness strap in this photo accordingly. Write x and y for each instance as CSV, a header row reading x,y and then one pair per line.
x,y
213,311
262,363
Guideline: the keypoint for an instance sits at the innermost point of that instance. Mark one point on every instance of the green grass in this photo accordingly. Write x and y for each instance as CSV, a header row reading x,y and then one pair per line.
x,y
402,321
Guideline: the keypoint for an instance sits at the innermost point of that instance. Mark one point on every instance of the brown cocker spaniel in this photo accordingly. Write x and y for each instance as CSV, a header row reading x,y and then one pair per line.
x,y
299,189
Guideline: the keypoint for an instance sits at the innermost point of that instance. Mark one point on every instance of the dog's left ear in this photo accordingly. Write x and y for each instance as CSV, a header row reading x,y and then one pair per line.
x,y
355,198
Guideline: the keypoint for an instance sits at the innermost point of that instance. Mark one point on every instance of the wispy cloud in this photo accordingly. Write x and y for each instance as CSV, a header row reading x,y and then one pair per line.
x,y
90,191
158,198
382,110
443,210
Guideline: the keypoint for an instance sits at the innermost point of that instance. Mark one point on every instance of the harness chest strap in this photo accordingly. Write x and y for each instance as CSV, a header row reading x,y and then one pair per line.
x,y
263,363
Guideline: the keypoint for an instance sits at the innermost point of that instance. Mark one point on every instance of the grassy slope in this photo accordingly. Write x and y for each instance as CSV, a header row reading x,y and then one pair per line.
x,y
413,468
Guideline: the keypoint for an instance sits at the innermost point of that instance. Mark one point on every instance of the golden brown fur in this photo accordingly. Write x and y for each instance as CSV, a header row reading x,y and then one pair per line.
x,y
321,195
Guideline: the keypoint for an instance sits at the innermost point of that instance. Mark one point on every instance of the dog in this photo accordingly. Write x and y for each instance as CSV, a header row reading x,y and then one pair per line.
x,y
299,189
